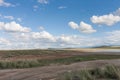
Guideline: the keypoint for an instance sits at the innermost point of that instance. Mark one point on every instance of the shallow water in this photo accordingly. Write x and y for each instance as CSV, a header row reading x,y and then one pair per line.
x,y
109,50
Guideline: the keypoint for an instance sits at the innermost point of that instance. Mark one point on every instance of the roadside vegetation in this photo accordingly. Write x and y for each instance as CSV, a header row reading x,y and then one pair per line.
x,y
109,72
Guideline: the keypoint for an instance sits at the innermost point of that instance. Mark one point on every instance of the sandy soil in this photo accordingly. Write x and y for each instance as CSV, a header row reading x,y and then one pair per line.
x,y
50,72
95,49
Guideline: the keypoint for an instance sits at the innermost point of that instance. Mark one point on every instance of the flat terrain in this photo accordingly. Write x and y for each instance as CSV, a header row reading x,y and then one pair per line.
x,y
55,62
50,54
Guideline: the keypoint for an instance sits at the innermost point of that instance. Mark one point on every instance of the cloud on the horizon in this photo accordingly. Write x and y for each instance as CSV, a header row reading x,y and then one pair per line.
x,y
4,41
20,39
113,37
44,39
83,27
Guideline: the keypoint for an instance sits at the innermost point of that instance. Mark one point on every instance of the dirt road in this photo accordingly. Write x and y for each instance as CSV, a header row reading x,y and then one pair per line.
x,y
49,72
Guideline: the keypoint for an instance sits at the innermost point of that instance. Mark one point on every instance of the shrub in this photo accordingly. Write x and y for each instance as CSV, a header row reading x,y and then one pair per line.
x,y
109,72
112,71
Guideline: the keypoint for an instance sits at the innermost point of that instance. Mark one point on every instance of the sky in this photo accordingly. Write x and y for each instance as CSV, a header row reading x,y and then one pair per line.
x,y
36,24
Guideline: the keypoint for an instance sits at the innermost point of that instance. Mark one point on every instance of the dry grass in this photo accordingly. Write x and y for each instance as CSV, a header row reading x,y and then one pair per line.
x,y
109,72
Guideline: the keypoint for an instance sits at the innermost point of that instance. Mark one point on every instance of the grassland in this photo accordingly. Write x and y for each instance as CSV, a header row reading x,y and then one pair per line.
x,y
47,64
36,58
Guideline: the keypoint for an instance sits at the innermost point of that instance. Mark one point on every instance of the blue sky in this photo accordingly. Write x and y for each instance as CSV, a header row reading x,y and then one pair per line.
x,y
32,24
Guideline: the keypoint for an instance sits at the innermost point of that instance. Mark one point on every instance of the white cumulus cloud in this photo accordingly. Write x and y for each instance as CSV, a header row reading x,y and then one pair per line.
x,y
73,25
108,20
43,35
83,27
44,39
13,27
86,28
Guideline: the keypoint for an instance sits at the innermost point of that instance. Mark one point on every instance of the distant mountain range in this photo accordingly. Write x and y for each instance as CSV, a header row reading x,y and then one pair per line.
x,y
111,47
